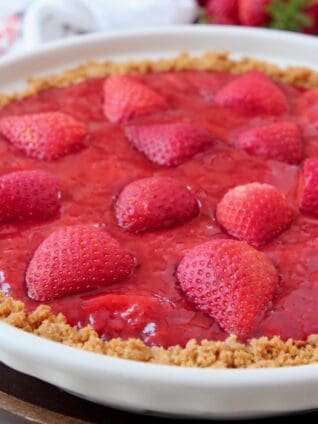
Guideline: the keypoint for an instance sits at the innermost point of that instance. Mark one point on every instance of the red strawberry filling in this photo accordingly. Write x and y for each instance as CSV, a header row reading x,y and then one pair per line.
x,y
192,122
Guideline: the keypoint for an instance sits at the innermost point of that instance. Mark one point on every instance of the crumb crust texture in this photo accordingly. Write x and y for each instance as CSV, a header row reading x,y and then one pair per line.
x,y
257,353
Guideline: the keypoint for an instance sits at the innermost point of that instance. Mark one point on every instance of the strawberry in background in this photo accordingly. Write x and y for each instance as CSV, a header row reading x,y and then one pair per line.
x,y
9,32
312,12
223,12
254,12
290,15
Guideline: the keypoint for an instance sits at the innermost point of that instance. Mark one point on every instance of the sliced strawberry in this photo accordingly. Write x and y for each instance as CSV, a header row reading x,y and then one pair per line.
x,y
308,193
74,259
230,281
253,92
154,203
126,98
44,136
28,196
254,212
169,144
223,12
279,141
307,104
253,12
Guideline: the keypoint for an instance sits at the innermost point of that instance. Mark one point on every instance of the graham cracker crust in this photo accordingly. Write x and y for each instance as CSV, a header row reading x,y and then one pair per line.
x,y
258,353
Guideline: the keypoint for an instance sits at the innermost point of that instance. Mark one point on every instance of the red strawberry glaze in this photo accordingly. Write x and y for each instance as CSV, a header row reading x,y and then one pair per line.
x,y
91,179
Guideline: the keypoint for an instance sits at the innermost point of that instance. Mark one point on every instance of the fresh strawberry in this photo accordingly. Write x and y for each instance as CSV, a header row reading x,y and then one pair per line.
x,y
279,141
126,98
223,12
74,259
254,212
28,196
253,92
154,203
44,136
169,144
253,12
312,12
230,281
308,190
292,15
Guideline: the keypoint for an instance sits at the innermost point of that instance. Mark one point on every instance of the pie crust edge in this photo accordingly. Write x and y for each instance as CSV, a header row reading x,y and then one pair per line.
x,y
257,353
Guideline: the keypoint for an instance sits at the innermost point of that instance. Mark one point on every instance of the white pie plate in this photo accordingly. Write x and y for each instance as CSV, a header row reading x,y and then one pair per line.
x,y
148,388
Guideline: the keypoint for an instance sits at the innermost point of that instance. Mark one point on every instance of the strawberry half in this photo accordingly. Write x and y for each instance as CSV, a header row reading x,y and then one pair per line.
x,y
75,259
308,192
253,92
254,212
126,98
28,196
230,281
280,141
169,144
44,136
155,203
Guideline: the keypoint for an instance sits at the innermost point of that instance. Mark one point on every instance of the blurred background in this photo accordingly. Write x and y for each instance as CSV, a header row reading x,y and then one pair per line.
x,y
26,24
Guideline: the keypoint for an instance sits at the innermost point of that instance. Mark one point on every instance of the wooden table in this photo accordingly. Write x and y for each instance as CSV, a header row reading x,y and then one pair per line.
x,y
27,400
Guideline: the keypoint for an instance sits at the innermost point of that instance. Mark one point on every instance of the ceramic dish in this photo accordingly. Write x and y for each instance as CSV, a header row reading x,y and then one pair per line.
x,y
149,388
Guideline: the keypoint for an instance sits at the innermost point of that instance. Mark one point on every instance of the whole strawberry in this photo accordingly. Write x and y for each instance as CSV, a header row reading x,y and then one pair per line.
x,y
169,144
254,212
155,203
308,190
253,12
202,2
291,15
28,196
127,315
312,13
253,92
75,259
280,141
223,12
44,136
125,98
230,281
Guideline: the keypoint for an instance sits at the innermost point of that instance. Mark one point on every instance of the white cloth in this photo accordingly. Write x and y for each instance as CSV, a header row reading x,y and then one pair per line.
x,y
47,20
11,7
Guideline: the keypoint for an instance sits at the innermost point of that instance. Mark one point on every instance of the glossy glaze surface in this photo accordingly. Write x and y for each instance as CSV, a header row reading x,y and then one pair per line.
x,y
91,179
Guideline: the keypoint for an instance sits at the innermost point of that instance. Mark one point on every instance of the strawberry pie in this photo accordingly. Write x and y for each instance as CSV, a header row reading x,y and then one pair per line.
x,y
167,215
